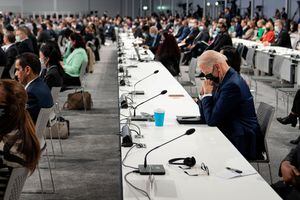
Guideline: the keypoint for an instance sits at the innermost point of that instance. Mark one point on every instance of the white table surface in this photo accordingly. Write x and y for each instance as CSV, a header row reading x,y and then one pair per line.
x,y
207,145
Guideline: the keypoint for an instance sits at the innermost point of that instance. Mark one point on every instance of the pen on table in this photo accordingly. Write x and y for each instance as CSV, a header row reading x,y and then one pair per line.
x,y
188,117
234,170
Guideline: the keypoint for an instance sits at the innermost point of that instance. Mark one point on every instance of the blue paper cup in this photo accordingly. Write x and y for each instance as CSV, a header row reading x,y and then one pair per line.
x,y
159,117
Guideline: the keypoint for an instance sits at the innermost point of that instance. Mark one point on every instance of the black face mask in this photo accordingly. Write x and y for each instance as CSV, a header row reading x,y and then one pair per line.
x,y
211,77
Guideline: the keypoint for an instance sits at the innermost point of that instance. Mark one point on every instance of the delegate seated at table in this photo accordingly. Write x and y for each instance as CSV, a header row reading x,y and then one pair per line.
x,y
227,103
289,187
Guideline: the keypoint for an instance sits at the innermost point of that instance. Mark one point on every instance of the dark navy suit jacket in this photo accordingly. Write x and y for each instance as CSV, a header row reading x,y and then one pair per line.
x,y
185,32
231,109
39,96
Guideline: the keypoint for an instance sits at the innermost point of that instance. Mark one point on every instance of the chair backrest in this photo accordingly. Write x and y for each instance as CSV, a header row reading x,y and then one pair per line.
x,y
41,124
12,71
1,70
15,184
192,70
82,71
55,92
265,113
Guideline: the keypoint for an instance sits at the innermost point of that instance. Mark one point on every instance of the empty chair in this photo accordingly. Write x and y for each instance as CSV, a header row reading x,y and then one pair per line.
x,y
191,74
15,184
265,115
40,127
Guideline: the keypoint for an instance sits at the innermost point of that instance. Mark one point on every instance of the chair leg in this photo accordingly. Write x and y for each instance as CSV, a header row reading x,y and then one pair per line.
x,y
59,140
276,93
270,172
287,103
258,167
52,146
41,182
255,91
50,171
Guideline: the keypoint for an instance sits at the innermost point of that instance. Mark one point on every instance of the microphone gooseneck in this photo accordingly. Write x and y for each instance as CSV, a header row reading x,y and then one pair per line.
x,y
135,107
188,132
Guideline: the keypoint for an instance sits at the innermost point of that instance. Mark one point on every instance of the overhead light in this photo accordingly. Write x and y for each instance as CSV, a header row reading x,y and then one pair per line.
x,y
145,7
208,4
217,3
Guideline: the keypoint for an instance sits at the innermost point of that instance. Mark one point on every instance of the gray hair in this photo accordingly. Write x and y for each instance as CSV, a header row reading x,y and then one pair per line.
x,y
211,57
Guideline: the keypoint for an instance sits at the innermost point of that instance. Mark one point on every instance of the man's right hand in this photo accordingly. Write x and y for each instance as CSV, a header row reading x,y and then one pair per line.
x,y
288,171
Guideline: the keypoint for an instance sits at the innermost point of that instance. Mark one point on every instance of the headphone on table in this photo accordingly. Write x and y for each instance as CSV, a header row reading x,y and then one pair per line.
x,y
188,161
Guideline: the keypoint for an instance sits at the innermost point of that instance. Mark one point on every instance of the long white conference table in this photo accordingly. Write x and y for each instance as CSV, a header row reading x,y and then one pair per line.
x,y
273,60
207,144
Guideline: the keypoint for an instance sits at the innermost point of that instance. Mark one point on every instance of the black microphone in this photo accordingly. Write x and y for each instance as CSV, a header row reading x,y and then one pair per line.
x,y
126,136
142,92
135,107
159,169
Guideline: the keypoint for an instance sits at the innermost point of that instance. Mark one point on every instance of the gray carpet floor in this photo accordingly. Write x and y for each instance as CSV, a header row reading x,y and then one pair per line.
x,y
90,166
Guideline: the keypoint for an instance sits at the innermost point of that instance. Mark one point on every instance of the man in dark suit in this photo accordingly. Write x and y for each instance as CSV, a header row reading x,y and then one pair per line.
x,y
11,52
192,35
2,60
289,187
154,40
227,103
24,44
222,39
28,68
185,31
198,45
43,35
283,38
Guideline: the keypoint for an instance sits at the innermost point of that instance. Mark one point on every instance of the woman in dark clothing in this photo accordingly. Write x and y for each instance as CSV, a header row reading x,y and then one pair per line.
x,y
168,53
50,58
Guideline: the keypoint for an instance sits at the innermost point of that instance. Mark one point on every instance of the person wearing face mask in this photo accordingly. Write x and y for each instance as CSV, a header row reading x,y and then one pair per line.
x,y
226,102
73,61
191,36
154,40
222,38
199,44
50,58
23,43
283,38
185,31
269,35
294,34
28,68
19,145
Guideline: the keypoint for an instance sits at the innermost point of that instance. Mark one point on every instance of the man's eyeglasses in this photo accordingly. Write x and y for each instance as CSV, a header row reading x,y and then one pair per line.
x,y
202,167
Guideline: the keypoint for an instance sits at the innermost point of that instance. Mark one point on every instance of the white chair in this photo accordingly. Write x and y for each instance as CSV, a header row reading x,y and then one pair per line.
x,y
40,127
15,184
55,92
1,70
191,73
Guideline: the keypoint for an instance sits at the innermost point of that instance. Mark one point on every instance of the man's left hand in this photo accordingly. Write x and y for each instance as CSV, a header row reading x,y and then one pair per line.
x,y
208,87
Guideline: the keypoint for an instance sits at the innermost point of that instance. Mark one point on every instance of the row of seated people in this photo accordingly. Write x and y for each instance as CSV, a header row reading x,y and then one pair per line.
x,y
226,102
22,100
194,37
